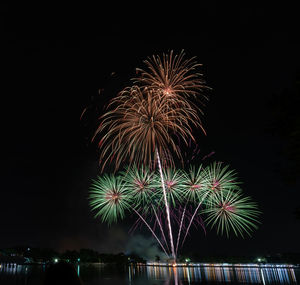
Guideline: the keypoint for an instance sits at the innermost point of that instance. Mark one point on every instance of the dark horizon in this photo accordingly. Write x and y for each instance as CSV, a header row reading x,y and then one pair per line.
x,y
49,161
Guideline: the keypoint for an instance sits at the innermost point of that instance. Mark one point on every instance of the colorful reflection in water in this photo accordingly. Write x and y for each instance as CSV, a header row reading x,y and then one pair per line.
x,y
220,273
152,274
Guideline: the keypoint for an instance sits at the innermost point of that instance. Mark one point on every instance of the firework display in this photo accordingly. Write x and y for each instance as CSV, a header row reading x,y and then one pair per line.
x,y
231,211
109,197
142,128
139,122
138,190
172,75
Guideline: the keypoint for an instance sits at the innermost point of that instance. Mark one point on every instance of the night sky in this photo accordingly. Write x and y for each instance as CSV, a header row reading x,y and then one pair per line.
x,y
48,161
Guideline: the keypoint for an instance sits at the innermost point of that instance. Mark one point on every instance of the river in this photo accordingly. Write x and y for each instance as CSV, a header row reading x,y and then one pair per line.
x,y
99,274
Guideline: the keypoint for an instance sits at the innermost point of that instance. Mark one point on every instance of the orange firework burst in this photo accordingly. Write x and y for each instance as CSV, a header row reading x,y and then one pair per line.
x,y
138,123
172,75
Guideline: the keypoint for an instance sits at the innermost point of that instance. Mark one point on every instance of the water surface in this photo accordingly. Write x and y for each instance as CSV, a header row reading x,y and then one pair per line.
x,y
156,275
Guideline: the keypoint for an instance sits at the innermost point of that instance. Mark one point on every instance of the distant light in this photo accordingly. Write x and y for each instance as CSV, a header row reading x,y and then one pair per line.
x,y
28,248
78,259
55,260
259,259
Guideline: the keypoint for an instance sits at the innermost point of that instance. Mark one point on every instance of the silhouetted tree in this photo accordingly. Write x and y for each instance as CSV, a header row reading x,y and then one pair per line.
x,y
71,255
89,255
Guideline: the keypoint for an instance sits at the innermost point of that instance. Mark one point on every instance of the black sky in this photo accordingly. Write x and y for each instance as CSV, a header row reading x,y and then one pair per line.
x,y
248,55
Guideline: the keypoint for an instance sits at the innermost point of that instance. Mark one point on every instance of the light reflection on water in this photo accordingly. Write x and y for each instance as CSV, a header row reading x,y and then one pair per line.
x,y
212,273
264,274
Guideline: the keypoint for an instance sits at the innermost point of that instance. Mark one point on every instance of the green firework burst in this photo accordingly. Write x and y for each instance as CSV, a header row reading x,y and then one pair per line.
x,y
173,180
231,211
220,179
109,198
139,182
195,184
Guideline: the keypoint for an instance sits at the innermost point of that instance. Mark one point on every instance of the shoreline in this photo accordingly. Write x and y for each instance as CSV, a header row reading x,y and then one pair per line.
x,y
162,264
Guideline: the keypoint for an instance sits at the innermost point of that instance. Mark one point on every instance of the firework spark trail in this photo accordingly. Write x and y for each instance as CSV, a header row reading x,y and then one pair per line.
x,y
153,233
161,229
174,216
180,227
137,223
134,226
167,206
208,155
199,221
191,221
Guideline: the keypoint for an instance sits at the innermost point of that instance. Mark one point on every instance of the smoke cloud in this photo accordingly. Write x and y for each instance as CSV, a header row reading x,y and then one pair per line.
x,y
146,248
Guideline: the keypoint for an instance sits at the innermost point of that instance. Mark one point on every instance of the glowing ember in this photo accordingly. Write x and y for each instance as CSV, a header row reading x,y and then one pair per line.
x,y
215,185
228,207
170,184
195,187
140,184
167,91
113,197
